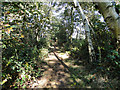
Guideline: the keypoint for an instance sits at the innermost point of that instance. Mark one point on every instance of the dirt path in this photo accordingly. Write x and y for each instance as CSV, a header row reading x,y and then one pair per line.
x,y
60,71
55,74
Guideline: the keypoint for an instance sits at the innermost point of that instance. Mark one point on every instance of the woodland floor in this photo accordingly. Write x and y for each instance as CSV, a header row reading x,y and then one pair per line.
x,y
60,71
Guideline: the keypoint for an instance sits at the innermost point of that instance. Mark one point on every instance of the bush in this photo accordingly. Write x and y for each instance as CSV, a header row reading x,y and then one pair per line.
x,y
19,58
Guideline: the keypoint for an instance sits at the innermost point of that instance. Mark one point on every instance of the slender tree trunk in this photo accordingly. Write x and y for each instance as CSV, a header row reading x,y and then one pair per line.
x,y
77,35
111,17
87,31
0,45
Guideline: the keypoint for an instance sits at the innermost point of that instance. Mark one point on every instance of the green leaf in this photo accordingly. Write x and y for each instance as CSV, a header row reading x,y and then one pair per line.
x,y
14,26
13,67
15,87
116,63
23,78
24,86
21,82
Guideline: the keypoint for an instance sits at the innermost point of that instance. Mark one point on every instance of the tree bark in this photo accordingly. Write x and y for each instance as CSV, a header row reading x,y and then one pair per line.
x,y
1,23
87,31
111,18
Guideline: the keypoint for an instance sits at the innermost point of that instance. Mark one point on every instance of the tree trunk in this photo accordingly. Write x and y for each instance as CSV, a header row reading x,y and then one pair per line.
x,y
111,17
1,23
87,31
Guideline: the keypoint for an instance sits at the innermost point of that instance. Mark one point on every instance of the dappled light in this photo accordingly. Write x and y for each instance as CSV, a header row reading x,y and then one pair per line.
x,y
54,75
60,45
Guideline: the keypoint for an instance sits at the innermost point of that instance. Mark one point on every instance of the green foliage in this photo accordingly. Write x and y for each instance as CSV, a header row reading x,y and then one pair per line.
x,y
107,57
79,49
19,58
27,33
105,47
22,45
61,36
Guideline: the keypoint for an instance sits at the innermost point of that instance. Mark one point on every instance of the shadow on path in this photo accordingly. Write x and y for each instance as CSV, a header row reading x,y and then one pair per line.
x,y
58,73
55,74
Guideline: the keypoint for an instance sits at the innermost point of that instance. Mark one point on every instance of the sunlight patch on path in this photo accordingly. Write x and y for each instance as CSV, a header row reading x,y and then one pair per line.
x,y
63,55
55,75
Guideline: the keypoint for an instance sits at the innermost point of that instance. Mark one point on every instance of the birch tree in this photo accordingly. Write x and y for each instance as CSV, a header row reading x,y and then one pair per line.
x,y
111,17
87,32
